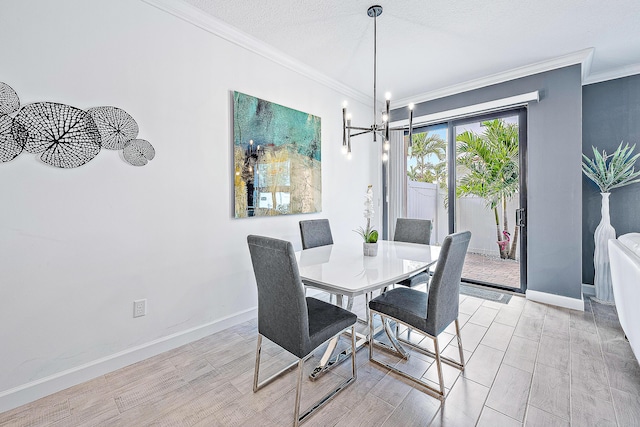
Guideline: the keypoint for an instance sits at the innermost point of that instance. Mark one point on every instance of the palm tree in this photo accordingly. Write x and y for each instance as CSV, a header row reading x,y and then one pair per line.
x,y
426,146
490,169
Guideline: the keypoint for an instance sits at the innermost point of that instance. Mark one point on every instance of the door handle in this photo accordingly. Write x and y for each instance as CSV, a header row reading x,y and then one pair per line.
x,y
521,217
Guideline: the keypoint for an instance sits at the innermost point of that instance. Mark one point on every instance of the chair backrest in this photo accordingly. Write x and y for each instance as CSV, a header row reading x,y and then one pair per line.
x,y
282,307
315,232
413,231
444,291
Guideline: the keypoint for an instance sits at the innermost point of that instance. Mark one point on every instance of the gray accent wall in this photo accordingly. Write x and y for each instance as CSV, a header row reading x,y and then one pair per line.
x,y
554,217
611,114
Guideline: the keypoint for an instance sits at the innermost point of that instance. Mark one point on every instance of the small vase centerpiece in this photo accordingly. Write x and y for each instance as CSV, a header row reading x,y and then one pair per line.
x,y
369,234
608,172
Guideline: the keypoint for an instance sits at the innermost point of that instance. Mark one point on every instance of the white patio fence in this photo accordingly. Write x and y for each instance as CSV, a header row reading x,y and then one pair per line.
x,y
426,201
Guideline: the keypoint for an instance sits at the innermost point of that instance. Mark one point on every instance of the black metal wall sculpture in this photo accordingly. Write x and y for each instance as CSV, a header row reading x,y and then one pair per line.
x,y
66,136
9,101
138,152
12,138
115,125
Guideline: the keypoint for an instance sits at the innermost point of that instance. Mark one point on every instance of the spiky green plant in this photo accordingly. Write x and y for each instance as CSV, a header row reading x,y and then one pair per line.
x,y
611,171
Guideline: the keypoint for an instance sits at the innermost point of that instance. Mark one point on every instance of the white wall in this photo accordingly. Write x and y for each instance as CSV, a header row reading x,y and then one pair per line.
x,y
78,246
426,201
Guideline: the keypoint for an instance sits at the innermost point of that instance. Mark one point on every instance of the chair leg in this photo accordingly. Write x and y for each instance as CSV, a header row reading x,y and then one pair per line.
x,y
438,364
300,363
296,415
257,368
437,392
257,385
460,350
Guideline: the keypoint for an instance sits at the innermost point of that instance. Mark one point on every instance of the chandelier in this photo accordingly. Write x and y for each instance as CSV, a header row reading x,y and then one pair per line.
x,y
382,129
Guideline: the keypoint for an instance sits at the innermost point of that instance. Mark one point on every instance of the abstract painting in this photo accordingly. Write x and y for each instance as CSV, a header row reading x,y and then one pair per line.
x,y
277,159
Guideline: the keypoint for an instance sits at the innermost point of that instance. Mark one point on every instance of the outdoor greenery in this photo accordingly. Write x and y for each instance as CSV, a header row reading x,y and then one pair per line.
x,y
613,170
427,147
490,169
487,167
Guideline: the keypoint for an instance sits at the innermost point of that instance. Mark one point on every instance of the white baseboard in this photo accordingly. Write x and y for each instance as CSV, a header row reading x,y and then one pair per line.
x,y
34,390
588,289
557,300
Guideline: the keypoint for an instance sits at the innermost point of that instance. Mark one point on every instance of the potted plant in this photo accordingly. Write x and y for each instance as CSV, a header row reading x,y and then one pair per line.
x,y
608,171
369,234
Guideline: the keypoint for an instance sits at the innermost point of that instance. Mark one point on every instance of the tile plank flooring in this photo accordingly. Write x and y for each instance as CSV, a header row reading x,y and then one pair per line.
x,y
528,364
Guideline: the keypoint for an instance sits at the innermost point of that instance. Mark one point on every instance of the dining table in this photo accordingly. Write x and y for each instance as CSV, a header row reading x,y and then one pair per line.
x,y
343,269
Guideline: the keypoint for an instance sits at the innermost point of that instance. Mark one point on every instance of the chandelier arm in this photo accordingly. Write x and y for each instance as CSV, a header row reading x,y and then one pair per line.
x,y
399,128
362,133
359,128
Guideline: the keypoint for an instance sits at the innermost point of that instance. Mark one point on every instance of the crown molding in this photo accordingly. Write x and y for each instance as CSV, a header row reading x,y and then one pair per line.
x,y
227,32
583,57
617,73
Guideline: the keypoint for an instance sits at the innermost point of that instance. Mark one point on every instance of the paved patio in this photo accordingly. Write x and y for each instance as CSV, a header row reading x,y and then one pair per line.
x,y
504,272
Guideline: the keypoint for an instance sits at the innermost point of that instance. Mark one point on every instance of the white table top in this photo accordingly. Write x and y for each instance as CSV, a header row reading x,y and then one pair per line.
x,y
343,269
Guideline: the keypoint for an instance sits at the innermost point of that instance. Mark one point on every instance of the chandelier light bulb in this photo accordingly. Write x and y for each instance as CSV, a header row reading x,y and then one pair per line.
x,y
349,116
344,104
411,106
386,146
387,95
385,157
348,156
385,117
344,149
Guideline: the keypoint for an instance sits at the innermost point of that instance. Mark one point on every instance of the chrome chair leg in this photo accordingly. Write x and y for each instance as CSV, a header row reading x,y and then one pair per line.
x,y
258,385
257,367
298,418
439,393
438,364
460,350
296,414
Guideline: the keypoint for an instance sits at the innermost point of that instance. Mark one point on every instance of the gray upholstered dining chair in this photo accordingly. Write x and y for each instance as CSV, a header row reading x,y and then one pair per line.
x,y
297,324
315,232
413,231
427,313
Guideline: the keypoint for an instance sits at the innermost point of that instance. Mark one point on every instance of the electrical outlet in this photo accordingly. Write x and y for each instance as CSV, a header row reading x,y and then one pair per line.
x,y
140,307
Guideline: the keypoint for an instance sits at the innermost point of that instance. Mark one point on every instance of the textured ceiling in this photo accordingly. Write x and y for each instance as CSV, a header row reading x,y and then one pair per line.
x,y
428,45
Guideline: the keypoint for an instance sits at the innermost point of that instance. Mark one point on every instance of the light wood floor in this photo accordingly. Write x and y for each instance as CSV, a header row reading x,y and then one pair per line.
x,y
528,364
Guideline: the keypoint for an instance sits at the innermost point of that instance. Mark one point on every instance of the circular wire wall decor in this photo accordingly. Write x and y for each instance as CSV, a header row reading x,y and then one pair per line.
x,y
9,101
138,152
12,138
66,136
115,125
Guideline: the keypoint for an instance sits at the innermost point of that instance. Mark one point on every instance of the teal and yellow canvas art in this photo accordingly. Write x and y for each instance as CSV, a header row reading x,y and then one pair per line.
x,y
277,159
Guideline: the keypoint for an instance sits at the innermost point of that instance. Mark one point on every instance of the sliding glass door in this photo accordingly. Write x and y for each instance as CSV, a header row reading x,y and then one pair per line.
x,y
427,179
479,163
